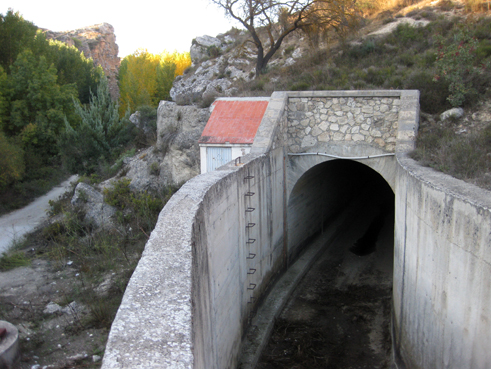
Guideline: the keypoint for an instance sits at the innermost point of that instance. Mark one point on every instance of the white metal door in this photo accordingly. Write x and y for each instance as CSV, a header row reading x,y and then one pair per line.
x,y
217,156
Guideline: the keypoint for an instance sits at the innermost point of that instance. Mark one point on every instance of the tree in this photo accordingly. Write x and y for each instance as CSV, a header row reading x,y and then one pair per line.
x,y
37,103
145,79
72,66
16,34
270,21
99,134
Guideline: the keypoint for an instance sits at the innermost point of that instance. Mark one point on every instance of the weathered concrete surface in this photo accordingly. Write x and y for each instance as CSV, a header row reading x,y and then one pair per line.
x,y
153,326
9,346
442,300
15,225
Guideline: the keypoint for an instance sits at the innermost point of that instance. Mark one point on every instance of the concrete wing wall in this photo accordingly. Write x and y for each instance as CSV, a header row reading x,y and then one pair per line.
x,y
442,298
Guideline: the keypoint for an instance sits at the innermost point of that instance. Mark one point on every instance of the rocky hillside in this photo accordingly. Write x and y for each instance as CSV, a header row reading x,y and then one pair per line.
x,y
97,42
222,64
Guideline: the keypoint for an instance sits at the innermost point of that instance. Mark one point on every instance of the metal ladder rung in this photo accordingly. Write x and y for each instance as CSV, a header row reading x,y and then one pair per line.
x,y
250,193
251,240
253,286
251,300
249,177
250,210
251,271
251,256
250,225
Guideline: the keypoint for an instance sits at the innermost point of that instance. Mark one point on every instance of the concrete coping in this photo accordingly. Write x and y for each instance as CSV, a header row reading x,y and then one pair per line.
x,y
251,98
348,93
466,192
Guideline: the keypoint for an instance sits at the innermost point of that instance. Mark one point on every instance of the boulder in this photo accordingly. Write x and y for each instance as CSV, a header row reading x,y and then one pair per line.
x,y
175,158
455,113
201,46
212,78
178,131
92,202
143,170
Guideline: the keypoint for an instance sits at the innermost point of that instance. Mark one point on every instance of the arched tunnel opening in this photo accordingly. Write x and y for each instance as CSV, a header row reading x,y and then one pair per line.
x,y
339,314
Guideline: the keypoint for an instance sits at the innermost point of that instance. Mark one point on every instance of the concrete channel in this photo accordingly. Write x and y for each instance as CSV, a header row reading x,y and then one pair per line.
x,y
332,307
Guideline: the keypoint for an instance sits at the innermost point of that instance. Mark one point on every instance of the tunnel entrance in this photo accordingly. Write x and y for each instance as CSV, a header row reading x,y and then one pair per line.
x,y
339,314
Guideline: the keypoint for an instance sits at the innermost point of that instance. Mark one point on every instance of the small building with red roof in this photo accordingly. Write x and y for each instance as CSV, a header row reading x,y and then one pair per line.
x,y
230,131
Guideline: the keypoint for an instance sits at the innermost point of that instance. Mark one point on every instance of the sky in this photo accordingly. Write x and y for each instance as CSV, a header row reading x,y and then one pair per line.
x,y
153,25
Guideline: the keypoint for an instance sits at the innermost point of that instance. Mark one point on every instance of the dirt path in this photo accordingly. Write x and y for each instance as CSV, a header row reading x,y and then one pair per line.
x,y
16,224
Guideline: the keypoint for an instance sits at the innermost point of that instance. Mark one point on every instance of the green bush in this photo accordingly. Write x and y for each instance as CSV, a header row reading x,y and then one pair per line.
x,y
13,260
300,86
213,51
139,208
462,156
455,64
363,50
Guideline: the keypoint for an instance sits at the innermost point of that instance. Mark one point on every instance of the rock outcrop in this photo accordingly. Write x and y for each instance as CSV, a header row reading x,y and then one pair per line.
x,y
175,157
92,202
97,42
222,63
178,131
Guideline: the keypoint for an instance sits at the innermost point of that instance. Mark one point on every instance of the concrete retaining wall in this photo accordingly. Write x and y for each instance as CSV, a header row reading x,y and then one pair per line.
x,y
217,245
442,262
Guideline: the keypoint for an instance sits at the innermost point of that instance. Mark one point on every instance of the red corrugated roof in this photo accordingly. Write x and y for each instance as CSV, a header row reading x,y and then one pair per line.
x,y
235,122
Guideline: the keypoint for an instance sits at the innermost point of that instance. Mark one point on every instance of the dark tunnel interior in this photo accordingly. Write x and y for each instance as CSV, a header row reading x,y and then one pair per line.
x,y
339,188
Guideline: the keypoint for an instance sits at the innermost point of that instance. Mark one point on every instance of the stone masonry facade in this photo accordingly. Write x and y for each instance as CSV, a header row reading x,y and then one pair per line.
x,y
313,121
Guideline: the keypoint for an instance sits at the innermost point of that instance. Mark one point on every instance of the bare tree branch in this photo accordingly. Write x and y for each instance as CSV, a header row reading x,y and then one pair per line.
x,y
279,18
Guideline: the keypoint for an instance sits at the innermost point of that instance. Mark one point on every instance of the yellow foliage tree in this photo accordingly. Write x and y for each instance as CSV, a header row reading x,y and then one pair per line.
x,y
145,78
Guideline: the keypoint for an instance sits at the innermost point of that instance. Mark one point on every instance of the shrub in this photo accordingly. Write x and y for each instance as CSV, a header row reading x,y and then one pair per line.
x,y
300,86
433,97
13,260
289,50
456,64
462,156
155,168
213,51
361,51
143,207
